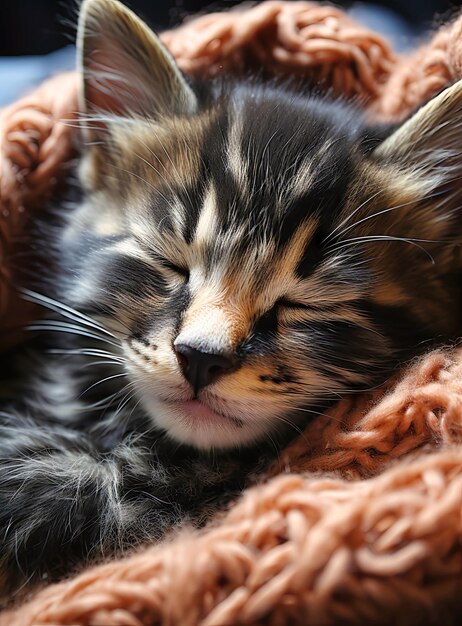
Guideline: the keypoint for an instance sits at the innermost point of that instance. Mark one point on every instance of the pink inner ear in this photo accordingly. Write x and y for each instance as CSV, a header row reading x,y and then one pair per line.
x,y
128,71
112,82
103,92
101,97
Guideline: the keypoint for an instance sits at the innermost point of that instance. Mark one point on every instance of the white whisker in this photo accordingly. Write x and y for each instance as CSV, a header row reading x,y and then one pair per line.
x,y
348,218
89,352
52,326
64,310
388,238
100,382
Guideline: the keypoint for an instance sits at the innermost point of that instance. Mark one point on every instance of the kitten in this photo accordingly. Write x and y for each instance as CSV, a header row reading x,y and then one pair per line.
x,y
242,255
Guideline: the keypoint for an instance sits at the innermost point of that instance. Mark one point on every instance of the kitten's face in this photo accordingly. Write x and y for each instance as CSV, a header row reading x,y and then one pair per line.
x,y
217,239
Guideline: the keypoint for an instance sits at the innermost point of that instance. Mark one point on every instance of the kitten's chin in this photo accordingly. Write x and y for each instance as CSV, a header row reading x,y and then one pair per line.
x,y
194,423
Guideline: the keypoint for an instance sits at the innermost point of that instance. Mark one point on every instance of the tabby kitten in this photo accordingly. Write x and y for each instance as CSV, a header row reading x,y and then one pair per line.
x,y
243,254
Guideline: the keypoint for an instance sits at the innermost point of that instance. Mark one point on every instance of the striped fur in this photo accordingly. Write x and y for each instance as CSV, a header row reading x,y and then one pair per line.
x,y
251,220
254,221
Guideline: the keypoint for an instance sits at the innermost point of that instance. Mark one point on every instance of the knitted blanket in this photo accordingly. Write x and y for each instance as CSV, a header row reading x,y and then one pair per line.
x,y
360,519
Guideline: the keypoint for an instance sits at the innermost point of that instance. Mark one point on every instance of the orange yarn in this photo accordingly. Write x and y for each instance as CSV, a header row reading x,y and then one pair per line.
x,y
426,72
285,38
34,145
359,521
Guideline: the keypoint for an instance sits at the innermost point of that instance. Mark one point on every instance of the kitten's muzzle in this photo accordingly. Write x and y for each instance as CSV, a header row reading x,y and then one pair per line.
x,y
203,368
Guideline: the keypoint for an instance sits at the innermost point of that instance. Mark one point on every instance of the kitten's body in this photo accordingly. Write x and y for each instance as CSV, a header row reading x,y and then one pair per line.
x,y
248,254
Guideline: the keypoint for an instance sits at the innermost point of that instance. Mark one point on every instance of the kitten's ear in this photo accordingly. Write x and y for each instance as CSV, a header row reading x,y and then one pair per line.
x,y
429,142
126,69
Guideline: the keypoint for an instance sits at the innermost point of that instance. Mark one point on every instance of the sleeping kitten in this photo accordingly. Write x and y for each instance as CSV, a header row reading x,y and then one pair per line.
x,y
243,254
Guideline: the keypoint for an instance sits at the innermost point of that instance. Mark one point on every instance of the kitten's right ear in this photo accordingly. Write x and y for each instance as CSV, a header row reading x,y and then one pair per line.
x,y
126,70
428,143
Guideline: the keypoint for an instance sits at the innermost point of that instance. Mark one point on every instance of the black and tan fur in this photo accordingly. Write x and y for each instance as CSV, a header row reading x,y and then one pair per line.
x,y
270,228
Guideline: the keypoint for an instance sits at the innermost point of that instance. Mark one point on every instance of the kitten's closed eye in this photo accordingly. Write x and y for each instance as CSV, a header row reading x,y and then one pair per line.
x,y
161,259
176,269
290,304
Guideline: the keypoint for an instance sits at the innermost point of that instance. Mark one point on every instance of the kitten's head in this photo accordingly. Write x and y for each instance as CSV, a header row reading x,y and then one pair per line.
x,y
257,250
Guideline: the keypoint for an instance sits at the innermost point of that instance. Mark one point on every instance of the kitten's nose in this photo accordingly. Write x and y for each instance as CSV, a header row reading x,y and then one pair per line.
x,y
202,368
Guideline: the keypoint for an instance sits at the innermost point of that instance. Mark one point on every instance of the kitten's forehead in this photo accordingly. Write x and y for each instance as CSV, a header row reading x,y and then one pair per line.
x,y
275,159
285,139
251,169
237,192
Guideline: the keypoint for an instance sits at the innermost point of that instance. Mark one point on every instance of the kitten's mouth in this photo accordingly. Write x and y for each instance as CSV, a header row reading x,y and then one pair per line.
x,y
197,412
203,423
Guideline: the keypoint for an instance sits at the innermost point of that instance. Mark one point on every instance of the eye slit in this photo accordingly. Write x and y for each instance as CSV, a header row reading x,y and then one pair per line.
x,y
290,304
177,269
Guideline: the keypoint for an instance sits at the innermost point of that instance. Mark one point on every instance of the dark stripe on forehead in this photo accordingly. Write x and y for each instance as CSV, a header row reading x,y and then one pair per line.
x,y
212,171
215,159
328,205
314,254
285,140
161,208
191,198
332,173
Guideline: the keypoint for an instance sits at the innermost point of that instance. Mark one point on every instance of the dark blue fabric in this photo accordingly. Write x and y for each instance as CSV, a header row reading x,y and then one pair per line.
x,y
19,74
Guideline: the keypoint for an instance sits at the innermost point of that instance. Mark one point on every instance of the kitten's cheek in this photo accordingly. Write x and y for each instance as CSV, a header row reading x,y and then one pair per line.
x,y
152,355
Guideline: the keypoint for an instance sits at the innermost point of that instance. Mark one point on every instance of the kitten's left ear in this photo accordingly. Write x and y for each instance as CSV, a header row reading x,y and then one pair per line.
x,y
429,142
126,69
